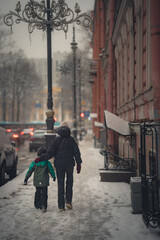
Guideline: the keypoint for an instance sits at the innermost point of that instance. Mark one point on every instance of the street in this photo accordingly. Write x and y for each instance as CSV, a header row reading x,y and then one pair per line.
x,y
101,210
24,157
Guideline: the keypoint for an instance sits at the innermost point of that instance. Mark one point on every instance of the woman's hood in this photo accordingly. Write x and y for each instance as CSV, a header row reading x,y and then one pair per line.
x,y
64,131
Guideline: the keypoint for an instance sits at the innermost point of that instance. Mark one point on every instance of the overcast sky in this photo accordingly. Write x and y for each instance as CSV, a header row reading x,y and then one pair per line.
x,y
35,44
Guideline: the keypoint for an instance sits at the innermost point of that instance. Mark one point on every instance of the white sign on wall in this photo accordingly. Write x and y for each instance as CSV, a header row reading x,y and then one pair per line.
x,y
93,115
98,124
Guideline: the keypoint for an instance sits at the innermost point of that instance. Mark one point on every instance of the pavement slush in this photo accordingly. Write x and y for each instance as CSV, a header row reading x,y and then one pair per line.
x,y
101,210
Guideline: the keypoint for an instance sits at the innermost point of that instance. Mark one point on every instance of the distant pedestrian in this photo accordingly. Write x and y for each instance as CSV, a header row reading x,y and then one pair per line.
x,y
65,151
41,180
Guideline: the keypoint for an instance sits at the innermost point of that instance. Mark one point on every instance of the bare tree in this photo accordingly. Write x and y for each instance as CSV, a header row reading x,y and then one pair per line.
x,y
6,41
24,82
5,44
20,82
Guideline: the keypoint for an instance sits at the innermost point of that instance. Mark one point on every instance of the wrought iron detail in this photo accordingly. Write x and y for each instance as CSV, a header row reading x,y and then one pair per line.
x,y
34,13
115,162
131,140
64,69
150,178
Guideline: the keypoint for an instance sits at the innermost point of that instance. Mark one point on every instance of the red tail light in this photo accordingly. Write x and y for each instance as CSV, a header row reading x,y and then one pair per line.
x,y
15,136
22,133
31,133
9,130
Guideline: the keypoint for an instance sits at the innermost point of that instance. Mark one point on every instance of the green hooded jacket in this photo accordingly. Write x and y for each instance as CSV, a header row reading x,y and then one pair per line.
x,y
41,173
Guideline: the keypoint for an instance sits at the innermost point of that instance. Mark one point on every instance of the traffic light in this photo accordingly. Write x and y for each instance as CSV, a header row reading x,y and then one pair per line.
x,y
82,114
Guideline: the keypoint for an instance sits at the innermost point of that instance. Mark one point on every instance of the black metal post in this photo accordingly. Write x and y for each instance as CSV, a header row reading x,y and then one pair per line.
x,y
4,104
74,47
80,109
62,105
49,112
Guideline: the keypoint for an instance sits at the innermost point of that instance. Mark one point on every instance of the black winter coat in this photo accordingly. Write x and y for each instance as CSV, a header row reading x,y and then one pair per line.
x,y
64,149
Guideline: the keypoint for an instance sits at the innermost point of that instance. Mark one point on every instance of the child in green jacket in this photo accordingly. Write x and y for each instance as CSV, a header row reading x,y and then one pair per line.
x,y
40,180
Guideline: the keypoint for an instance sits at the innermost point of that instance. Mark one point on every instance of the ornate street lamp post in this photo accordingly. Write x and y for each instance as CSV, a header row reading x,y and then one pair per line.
x,y
47,17
64,70
74,48
80,99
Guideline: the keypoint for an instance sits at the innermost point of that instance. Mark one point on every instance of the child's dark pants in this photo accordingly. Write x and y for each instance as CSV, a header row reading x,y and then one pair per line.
x,y
41,196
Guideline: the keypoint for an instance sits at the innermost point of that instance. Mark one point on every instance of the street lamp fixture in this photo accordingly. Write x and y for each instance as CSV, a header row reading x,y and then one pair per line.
x,y
35,14
47,17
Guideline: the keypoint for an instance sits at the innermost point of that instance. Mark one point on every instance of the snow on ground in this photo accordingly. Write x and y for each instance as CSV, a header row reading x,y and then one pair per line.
x,y
101,210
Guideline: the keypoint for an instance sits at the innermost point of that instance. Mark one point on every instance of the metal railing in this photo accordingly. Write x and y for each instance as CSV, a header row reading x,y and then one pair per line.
x,y
150,175
113,161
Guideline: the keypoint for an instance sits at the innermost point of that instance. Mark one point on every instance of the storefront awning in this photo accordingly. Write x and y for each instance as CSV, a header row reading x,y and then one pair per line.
x,y
116,123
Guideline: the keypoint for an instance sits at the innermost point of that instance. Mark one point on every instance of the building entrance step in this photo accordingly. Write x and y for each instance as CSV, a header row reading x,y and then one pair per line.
x,y
115,175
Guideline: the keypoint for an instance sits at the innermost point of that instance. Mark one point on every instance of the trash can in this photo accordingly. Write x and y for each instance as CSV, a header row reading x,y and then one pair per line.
x,y
136,194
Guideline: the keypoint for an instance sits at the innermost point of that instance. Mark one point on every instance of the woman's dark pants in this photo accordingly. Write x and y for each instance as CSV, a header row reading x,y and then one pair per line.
x,y
62,194
41,196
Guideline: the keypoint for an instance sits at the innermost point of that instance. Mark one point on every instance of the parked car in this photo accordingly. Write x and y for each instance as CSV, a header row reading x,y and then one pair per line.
x,y
8,157
37,140
16,135
27,133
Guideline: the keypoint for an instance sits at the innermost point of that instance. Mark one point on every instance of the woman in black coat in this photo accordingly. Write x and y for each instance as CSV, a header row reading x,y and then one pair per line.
x,y
66,152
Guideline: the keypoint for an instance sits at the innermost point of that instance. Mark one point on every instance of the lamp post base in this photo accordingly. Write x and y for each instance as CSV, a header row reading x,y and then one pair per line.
x,y
49,137
50,133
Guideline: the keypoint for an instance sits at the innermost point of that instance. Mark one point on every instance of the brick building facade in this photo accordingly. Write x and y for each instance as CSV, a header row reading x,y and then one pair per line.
x,y
125,67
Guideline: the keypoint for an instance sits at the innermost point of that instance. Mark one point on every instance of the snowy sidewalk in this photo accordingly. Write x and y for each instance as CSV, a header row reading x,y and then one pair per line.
x,y
101,210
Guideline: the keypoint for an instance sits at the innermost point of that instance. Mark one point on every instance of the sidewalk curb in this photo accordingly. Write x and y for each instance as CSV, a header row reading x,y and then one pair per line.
x,y
12,186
